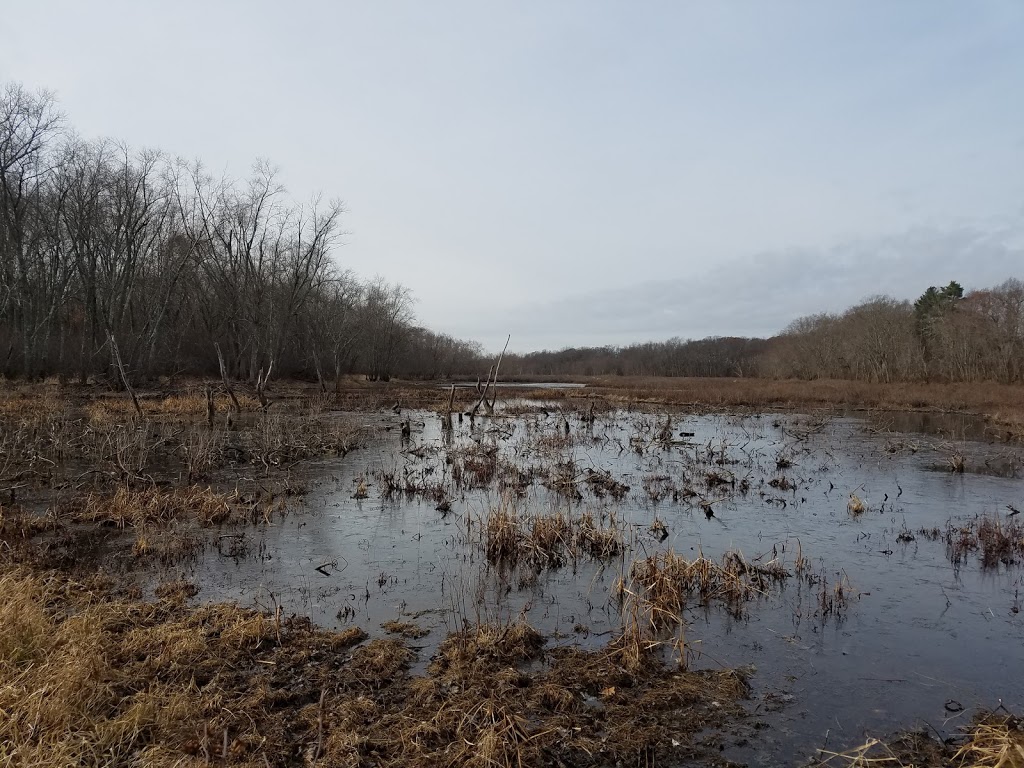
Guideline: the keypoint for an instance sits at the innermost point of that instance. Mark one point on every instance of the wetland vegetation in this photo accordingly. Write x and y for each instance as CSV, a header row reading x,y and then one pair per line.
x,y
571,580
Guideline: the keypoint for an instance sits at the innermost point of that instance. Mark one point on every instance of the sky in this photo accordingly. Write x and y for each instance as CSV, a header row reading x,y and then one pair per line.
x,y
586,173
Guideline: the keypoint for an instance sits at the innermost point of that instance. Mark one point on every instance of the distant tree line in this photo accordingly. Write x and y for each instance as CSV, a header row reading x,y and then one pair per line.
x,y
946,335
99,241
715,356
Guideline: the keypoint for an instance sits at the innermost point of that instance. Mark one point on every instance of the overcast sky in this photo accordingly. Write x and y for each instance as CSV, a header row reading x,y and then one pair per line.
x,y
586,172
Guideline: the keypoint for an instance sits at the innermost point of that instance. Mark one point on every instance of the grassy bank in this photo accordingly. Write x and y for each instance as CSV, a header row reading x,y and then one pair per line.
x,y
92,675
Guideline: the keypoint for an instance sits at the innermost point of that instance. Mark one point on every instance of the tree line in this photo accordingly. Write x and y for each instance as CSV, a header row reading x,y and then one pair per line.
x,y
714,356
946,335
99,241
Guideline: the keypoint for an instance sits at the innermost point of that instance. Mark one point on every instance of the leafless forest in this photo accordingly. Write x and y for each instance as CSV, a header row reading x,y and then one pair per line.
x,y
98,240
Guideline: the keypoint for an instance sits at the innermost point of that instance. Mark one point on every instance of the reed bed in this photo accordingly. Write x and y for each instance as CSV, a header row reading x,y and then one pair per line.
x,y
512,538
131,508
42,432
664,584
115,408
998,541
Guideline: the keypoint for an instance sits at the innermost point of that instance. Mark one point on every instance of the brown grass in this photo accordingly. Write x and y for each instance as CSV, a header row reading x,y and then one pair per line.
x,y
91,679
1002,403
405,629
855,506
512,538
999,541
993,741
72,422
663,584
489,712
155,507
31,404
108,408
990,741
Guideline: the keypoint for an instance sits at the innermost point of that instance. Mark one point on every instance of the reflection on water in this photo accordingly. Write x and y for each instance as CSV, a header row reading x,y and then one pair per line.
x,y
949,426
921,632
519,385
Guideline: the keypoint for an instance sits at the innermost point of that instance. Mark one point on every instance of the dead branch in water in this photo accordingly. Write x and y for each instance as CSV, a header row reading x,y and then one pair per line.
x,y
489,384
446,420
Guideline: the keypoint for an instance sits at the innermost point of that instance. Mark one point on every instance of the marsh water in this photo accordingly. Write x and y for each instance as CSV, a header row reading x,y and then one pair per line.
x,y
396,531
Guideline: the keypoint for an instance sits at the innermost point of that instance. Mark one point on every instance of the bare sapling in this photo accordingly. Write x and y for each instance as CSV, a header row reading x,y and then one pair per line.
x,y
261,387
224,378
319,372
124,376
211,411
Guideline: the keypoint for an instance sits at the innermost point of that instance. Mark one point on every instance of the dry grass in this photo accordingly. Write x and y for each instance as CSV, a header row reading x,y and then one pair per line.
x,y
165,525
487,712
92,679
538,541
156,507
109,408
79,698
1000,402
513,538
663,584
855,506
31,405
178,590
999,541
993,741
990,741
871,753
474,466
481,644
597,539
405,629
41,431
